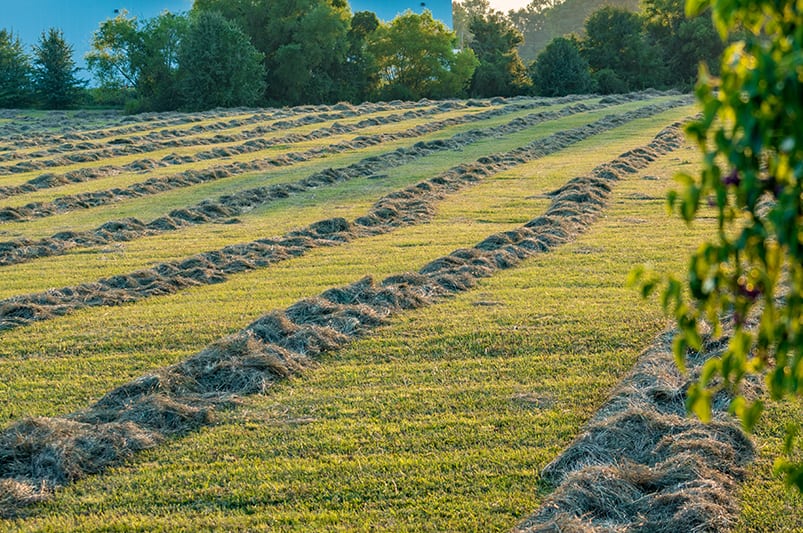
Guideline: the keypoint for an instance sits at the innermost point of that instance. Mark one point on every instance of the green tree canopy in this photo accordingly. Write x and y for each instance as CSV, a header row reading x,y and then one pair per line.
x,y
561,70
500,71
416,59
462,13
683,42
15,72
752,176
360,73
541,21
141,54
305,44
615,40
219,67
54,72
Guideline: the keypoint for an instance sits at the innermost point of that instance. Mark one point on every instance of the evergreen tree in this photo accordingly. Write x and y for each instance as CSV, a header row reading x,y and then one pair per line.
x,y
54,72
15,72
219,67
561,70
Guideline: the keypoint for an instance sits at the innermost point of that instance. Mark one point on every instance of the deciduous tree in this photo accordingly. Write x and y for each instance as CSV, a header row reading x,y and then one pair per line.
x,y
416,57
305,44
615,40
500,71
127,52
683,42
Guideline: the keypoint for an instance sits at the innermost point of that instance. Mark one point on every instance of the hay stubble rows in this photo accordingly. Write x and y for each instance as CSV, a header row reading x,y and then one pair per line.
x,y
196,385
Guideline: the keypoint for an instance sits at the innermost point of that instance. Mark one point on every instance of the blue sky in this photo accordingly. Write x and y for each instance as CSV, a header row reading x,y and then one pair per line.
x,y
77,18
388,9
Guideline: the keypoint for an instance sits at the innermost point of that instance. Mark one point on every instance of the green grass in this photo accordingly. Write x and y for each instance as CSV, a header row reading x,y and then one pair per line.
x,y
350,200
151,207
768,505
125,179
440,420
135,336
22,177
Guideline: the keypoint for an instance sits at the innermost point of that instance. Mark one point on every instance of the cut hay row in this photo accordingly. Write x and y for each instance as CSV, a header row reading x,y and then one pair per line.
x,y
199,134
412,205
250,141
51,180
21,250
642,464
39,454
183,122
18,125
26,131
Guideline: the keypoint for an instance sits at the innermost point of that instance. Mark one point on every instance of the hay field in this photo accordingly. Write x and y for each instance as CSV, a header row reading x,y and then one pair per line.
x,y
396,316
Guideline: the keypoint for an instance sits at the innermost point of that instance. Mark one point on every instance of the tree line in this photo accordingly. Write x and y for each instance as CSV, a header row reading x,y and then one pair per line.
x,y
226,53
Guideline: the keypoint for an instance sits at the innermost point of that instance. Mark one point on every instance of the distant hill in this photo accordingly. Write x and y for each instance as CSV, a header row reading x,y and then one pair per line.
x,y
565,18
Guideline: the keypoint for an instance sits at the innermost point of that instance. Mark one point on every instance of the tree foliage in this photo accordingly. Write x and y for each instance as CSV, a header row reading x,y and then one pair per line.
x,y
305,44
462,14
360,73
219,67
416,59
544,20
54,72
15,72
501,71
752,146
561,70
683,42
126,52
615,40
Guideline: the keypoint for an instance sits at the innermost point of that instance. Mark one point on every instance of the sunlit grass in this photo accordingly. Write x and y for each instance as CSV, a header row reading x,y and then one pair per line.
x,y
440,420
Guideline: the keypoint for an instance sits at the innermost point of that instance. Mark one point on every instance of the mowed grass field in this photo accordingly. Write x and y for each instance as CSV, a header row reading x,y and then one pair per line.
x,y
441,418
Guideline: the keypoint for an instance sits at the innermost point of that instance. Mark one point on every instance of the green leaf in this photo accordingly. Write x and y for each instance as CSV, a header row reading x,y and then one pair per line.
x,y
699,402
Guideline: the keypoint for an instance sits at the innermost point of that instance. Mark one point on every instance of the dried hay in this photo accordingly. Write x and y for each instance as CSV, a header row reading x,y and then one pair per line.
x,y
57,451
155,412
15,494
181,398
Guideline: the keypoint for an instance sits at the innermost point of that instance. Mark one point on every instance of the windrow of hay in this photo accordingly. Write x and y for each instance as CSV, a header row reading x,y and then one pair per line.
x,y
158,184
252,141
37,455
63,128
173,138
21,250
412,205
157,139
26,135
642,465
